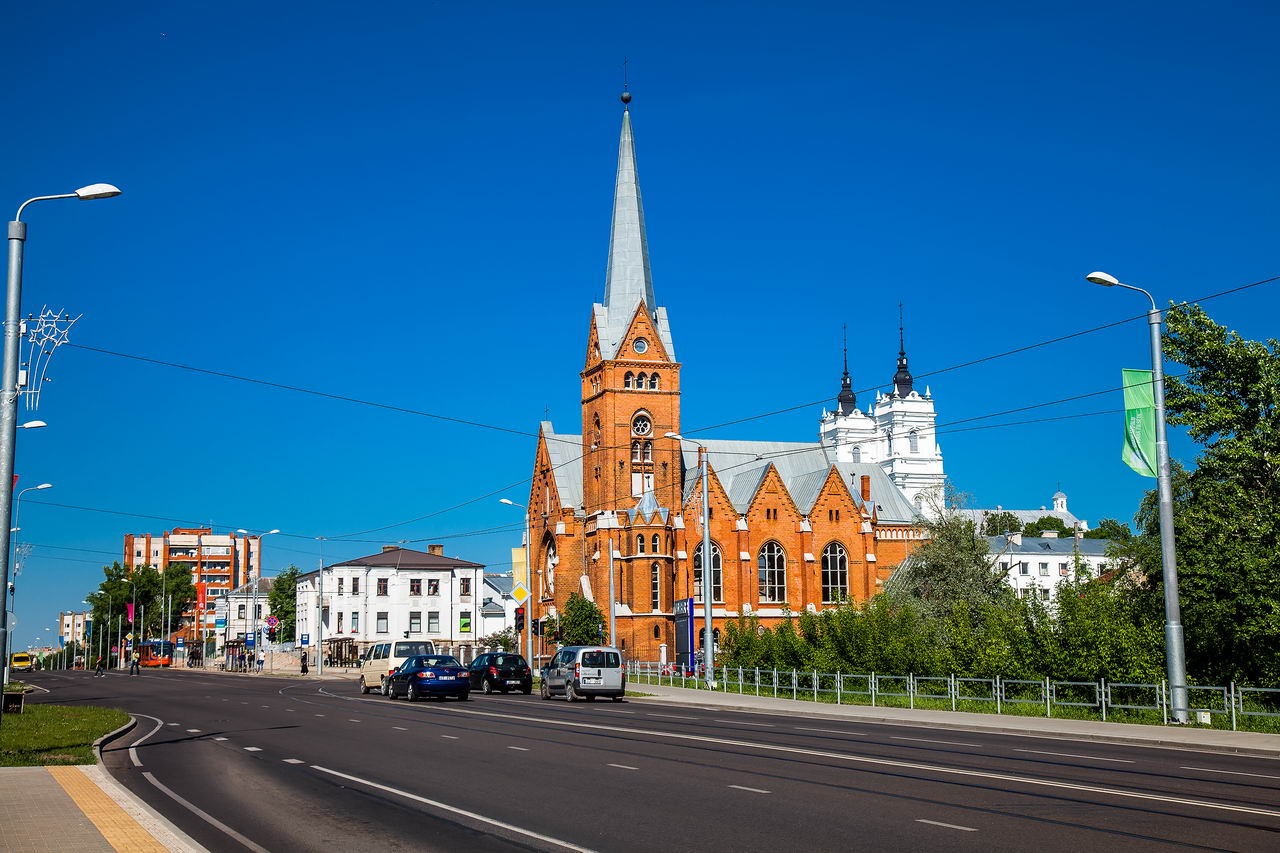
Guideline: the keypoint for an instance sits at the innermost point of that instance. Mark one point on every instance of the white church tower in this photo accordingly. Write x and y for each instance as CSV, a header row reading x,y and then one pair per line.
x,y
897,433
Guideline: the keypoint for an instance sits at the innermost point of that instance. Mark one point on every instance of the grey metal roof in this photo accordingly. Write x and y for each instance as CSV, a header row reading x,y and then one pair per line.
x,y
406,558
566,467
1025,516
1049,545
803,466
502,584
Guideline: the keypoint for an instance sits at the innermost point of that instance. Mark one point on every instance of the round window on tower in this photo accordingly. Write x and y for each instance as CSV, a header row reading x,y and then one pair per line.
x,y
641,425
641,345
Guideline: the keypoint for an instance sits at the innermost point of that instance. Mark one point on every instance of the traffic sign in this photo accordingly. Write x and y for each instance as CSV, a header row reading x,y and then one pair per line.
x,y
305,639
248,641
129,636
179,643
519,592
272,621
219,623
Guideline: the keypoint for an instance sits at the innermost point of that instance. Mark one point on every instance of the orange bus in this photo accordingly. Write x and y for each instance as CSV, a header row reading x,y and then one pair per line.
x,y
155,653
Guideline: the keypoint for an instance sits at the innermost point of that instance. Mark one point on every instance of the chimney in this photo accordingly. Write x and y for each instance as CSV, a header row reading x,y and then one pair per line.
x,y
866,487
438,550
1015,539
386,548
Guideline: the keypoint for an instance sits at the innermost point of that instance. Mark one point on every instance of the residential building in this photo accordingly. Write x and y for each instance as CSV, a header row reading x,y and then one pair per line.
x,y
1027,516
242,603
1036,565
794,525
220,562
71,626
395,594
498,611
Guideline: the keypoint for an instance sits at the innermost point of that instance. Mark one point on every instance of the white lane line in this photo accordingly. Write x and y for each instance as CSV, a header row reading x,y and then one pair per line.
x,y
947,825
219,738
618,711
622,766
566,845
671,716
450,737
291,710
831,731
170,724
1074,755
257,848
244,703
294,761
752,790
878,762
745,723
133,751
266,706
400,728
193,731
520,748
927,740
353,721
253,749
319,715
1231,772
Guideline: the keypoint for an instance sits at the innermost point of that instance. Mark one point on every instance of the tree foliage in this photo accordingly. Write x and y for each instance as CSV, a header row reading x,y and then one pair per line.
x,y
1046,523
505,639
1109,528
149,588
1000,523
579,624
283,603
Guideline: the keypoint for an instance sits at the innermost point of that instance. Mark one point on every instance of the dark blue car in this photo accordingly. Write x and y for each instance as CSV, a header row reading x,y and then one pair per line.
x,y
429,675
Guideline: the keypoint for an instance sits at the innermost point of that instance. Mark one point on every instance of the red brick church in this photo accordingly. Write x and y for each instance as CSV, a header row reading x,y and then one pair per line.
x,y
794,525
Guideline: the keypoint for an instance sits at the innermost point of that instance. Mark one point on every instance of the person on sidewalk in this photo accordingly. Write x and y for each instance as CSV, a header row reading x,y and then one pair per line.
x,y
134,669
304,664
98,667
262,659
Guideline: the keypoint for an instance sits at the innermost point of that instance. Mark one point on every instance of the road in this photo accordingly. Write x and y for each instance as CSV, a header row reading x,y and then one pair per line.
x,y
285,764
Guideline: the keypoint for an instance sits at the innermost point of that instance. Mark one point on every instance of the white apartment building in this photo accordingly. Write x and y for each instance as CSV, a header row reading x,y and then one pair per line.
x,y
71,626
1035,565
241,606
392,595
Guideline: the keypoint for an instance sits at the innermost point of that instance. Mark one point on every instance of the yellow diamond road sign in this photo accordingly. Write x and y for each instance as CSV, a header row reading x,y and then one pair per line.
x,y
519,593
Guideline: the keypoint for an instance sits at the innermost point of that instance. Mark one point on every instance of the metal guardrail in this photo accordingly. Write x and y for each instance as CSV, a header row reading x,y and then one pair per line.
x,y
842,688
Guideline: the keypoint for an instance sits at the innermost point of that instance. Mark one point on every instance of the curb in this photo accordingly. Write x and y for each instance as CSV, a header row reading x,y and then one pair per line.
x,y
134,804
1100,737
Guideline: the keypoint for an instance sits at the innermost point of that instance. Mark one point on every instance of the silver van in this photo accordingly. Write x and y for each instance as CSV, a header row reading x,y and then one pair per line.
x,y
585,672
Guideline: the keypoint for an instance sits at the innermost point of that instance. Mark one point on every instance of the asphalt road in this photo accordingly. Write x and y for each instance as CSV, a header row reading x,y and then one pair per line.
x,y
284,764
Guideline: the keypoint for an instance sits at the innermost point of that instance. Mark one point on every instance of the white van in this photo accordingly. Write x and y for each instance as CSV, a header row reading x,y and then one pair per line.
x,y
382,659
585,672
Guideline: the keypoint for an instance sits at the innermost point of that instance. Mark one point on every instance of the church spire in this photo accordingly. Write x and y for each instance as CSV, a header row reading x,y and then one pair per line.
x,y
846,399
627,280
902,379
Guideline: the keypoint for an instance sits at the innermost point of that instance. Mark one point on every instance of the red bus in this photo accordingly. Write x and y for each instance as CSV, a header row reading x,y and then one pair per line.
x,y
155,653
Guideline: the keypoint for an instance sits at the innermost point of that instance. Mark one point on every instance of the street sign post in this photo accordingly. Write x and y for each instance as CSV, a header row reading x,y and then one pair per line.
x,y
520,593
305,639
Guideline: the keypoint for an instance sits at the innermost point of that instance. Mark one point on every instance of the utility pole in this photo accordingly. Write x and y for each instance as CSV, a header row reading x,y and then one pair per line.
x,y
320,608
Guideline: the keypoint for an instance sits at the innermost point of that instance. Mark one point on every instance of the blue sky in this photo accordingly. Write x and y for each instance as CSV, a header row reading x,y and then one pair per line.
x,y
410,204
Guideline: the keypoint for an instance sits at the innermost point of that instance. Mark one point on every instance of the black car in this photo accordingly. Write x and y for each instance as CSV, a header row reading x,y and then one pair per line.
x,y
501,672
429,675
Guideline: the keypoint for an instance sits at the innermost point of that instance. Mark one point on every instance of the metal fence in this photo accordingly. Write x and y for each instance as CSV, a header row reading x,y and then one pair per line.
x,y
1230,702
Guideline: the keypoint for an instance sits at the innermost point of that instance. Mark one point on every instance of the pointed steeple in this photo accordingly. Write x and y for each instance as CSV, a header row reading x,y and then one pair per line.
x,y
902,379
846,399
628,280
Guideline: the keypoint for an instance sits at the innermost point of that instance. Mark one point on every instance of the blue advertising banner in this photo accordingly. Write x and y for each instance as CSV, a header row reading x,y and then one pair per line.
x,y
685,631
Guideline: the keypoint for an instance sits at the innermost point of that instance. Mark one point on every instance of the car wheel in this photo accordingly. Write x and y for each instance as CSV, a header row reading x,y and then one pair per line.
x,y
389,691
486,686
545,691
386,686
364,689
411,695
464,696
569,694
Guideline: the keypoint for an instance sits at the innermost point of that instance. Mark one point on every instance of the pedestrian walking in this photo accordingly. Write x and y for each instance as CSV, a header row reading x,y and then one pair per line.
x,y
262,659
304,664
99,667
134,669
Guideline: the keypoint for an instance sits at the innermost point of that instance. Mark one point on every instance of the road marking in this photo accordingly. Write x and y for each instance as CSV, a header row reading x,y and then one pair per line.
x,y
353,721
244,703
567,845
832,731
294,761
867,759
946,825
1231,772
671,716
401,728
205,815
752,790
450,737
253,749
619,711
291,710
745,723
319,715
1073,755
193,731
622,766
927,740
133,751
219,738
170,724
521,748
266,706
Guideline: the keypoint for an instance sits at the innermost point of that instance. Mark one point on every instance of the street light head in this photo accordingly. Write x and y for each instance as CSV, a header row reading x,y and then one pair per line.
x,y
269,532
32,425
1103,279
97,191
45,486
674,435
506,501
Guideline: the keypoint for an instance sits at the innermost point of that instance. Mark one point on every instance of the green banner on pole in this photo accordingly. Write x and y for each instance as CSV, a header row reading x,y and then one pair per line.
x,y
1139,451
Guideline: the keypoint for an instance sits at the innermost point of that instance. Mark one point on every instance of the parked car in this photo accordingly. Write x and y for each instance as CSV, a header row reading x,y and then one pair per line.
x,y
429,675
585,672
382,659
501,672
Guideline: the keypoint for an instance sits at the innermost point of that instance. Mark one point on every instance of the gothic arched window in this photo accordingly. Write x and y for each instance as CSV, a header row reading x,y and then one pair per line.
x,y
857,453
655,588
648,451
913,441
717,574
642,379
628,380
640,544
641,424
772,565
635,451
835,573
656,543
653,380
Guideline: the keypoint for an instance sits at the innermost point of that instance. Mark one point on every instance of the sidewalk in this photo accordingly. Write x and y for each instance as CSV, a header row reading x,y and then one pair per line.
x,y
1211,740
80,807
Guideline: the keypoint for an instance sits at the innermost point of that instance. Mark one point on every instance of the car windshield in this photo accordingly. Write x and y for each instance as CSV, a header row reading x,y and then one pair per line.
x,y
408,650
507,660
437,660
600,659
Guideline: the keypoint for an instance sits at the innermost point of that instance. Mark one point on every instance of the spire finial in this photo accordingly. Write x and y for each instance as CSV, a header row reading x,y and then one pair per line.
x,y
902,349
846,402
626,95
844,331
902,379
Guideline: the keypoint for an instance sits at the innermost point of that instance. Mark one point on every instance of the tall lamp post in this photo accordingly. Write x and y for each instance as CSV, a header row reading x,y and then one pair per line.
x,y
528,576
4,649
9,388
256,584
708,565
1175,653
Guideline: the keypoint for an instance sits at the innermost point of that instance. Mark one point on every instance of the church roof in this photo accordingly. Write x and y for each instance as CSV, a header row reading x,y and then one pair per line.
x,y
628,279
565,451
803,467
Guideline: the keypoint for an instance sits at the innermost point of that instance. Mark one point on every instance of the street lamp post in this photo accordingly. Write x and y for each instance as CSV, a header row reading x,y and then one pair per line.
x,y
17,512
256,583
1175,654
528,575
9,388
708,566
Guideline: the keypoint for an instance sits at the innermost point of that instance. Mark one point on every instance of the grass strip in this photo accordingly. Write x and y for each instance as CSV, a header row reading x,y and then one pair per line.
x,y
55,734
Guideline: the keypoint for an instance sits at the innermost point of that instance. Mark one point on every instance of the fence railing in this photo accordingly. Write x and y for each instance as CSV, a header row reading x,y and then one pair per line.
x,y
1204,703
